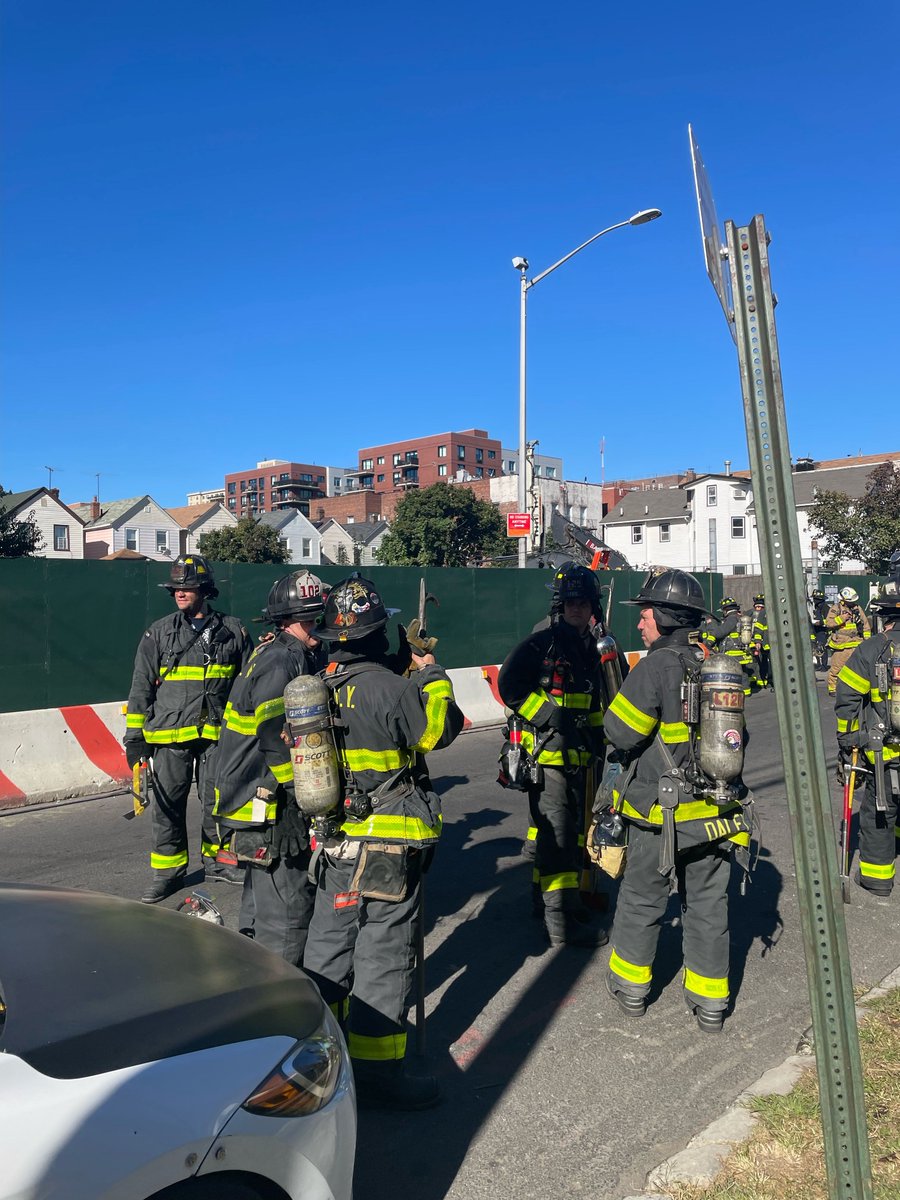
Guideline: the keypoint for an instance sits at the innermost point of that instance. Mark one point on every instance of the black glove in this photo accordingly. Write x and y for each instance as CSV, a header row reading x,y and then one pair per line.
x,y
290,836
134,751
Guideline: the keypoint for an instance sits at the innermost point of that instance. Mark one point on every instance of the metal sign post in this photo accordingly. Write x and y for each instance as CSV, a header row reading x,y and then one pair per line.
x,y
809,801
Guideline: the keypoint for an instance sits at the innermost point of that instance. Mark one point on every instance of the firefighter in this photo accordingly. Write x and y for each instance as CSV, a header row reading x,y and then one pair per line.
x,y
724,634
848,626
818,611
184,670
552,682
761,648
691,842
369,871
257,816
866,709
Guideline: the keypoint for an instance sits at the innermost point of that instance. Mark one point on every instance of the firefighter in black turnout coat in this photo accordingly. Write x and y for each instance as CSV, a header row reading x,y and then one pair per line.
x,y
552,682
369,874
694,841
255,809
184,669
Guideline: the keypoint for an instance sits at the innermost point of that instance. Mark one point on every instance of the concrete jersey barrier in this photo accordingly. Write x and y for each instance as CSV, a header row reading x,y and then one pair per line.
x,y
58,753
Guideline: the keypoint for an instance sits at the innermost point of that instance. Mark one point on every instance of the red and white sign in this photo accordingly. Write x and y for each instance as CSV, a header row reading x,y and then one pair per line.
x,y
518,525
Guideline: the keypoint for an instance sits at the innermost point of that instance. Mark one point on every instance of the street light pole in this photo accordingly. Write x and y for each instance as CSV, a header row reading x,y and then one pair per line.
x,y
521,265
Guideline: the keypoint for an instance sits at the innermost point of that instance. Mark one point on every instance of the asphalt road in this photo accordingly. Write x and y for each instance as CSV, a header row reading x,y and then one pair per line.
x,y
550,1093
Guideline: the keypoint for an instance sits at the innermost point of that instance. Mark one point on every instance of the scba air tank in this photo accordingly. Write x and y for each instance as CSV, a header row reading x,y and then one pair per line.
x,y
746,628
721,724
317,772
610,667
895,689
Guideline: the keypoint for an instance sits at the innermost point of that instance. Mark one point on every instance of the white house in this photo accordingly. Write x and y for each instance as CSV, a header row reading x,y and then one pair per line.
x,y
61,528
197,519
138,524
352,542
651,528
302,540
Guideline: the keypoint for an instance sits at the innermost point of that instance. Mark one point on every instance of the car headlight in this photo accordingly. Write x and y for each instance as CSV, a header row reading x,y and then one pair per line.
x,y
304,1082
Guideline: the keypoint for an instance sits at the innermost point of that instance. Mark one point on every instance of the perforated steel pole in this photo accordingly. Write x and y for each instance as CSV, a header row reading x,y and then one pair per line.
x,y
809,802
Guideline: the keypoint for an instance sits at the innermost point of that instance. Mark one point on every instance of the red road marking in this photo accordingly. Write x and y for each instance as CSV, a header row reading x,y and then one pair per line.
x,y
96,741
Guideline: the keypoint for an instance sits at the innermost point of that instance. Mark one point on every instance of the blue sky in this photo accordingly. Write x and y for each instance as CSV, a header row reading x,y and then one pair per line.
x,y
237,231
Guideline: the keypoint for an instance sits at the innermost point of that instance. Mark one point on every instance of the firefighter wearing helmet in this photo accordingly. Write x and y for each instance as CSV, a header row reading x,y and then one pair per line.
x,y
867,707
690,835
372,851
260,825
848,627
818,611
760,646
184,669
727,635
552,683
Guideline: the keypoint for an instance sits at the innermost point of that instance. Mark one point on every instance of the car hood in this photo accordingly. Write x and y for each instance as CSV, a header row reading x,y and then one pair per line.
x,y
92,983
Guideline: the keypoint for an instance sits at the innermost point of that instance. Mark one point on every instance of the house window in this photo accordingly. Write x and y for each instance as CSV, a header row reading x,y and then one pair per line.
x,y
60,537
131,539
380,460
162,541
305,547
442,451
397,477
366,464
512,467
711,495
737,527
461,453
492,471
537,469
398,458
479,454
273,479
442,468
479,472
231,488
381,477
664,532
492,453
351,520
550,472
243,485
231,502
637,534
739,569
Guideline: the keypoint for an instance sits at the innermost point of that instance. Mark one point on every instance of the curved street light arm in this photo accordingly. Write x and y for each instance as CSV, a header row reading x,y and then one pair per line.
x,y
572,253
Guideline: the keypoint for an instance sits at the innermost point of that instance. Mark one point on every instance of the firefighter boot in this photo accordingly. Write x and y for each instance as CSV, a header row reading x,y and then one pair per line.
x,y
709,1020
631,1006
565,929
386,1085
161,886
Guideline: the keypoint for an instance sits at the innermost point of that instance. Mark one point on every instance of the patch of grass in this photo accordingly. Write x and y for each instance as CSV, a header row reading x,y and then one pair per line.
x,y
785,1156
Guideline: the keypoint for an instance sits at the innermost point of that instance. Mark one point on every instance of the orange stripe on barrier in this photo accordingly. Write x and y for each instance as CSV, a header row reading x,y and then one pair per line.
x,y
96,741
10,796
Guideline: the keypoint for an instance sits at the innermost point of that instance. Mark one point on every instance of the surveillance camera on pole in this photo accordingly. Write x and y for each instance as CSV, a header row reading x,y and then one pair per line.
x,y
521,264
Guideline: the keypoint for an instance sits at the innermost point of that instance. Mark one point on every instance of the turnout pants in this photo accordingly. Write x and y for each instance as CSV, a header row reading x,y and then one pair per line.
x,y
175,768
703,874
557,815
877,833
838,659
365,949
277,906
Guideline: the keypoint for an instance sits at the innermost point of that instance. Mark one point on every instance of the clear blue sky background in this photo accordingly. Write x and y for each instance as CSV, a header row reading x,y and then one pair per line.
x,y
236,231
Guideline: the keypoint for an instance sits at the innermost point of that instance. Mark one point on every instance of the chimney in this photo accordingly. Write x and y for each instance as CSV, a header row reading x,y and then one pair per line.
x,y
54,492
95,509
727,466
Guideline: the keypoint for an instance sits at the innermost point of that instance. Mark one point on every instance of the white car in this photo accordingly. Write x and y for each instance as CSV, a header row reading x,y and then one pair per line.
x,y
147,1056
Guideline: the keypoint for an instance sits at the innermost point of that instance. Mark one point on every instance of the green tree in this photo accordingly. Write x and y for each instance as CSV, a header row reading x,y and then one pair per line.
x,y
249,541
443,526
867,529
19,537
341,557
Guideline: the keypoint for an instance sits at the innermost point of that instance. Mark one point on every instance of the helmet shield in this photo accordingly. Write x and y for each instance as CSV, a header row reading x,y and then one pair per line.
x,y
850,595
353,610
572,581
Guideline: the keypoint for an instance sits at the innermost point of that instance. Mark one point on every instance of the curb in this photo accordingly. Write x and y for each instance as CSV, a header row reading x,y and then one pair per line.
x,y
701,1160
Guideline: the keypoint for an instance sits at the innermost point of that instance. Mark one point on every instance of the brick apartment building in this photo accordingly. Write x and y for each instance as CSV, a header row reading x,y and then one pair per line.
x,y
276,484
420,462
